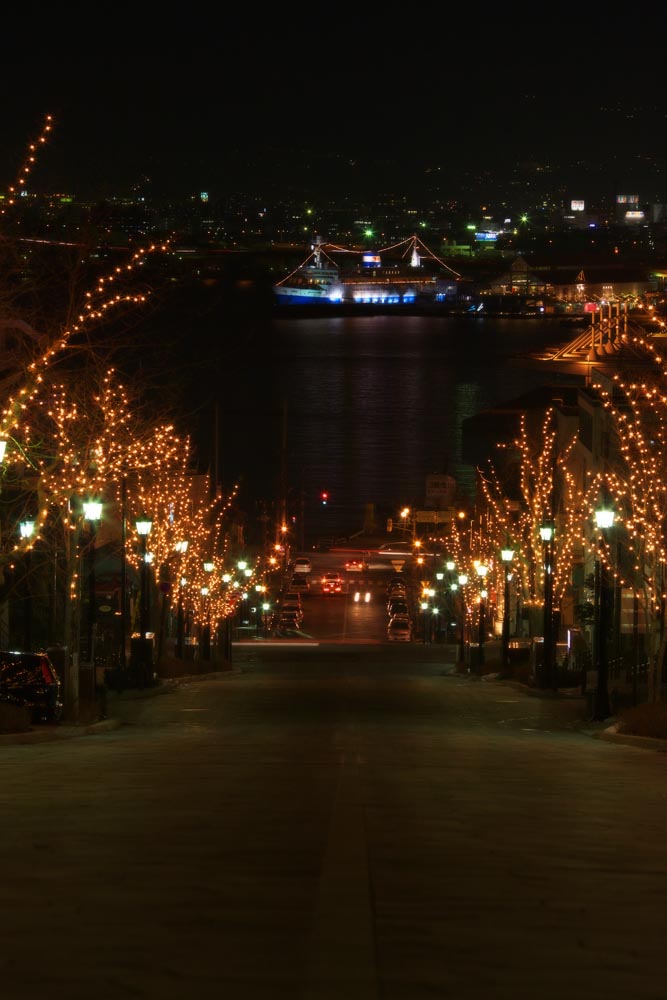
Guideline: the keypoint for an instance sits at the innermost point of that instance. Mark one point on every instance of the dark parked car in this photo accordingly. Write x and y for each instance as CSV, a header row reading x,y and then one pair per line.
x,y
30,679
399,629
396,606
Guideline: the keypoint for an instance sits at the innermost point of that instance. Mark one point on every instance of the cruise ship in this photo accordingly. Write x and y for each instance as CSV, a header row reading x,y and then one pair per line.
x,y
402,274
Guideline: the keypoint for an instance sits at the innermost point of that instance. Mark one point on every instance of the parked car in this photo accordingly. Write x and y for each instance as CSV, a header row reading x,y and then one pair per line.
x,y
290,604
332,583
302,565
30,679
399,629
397,607
290,597
289,621
300,583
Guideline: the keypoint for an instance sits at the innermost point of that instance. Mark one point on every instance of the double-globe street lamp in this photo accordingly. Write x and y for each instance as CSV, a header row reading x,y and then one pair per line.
x,y
144,527
209,566
463,579
181,547
506,555
92,513
446,581
27,528
547,675
604,519
482,570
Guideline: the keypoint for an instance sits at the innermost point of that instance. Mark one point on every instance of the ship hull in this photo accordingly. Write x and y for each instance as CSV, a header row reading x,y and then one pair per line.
x,y
299,296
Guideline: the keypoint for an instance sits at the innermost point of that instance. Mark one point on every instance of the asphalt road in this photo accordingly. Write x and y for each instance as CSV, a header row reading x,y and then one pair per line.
x,y
335,822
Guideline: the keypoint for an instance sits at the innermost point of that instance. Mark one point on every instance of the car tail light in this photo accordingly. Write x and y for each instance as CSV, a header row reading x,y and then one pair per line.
x,y
47,674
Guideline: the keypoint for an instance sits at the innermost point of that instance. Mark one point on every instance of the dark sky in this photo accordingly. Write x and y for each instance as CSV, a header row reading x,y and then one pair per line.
x,y
208,105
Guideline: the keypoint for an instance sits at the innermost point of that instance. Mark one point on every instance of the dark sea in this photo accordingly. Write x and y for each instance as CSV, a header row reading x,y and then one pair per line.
x,y
364,408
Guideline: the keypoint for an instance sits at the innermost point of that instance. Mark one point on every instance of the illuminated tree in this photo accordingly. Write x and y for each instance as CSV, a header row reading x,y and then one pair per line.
x,y
532,487
636,483
73,429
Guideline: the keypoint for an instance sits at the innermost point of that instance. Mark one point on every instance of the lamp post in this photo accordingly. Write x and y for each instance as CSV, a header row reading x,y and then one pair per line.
x,y
440,604
407,517
507,555
123,574
209,566
604,519
266,614
260,592
424,608
181,548
92,512
463,579
482,570
27,528
180,619
206,628
227,635
144,526
547,676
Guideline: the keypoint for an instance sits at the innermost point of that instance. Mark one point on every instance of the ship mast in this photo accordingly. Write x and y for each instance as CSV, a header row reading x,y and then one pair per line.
x,y
317,251
415,259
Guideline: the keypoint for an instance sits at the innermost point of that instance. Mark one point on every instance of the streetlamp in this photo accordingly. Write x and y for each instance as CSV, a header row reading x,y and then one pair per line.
x,y
181,548
206,628
266,608
180,619
547,675
260,592
27,528
424,608
407,516
206,631
507,555
463,579
227,636
604,519
482,570
92,512
144,526
438,628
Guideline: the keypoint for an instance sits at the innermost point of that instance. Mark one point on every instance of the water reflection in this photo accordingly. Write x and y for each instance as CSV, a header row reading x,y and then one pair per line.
x,y
366,407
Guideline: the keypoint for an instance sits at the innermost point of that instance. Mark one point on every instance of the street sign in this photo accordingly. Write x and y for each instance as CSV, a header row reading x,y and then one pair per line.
x,y
434,516
398,564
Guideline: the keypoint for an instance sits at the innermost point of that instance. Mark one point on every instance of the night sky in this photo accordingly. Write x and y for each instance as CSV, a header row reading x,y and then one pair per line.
x,y
343,97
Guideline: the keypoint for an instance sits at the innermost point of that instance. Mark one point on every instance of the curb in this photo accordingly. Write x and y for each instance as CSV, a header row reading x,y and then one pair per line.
x,y
611,735
51,734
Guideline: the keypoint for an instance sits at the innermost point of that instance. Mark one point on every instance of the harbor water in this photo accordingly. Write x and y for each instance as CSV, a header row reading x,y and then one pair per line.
x,y
364,408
